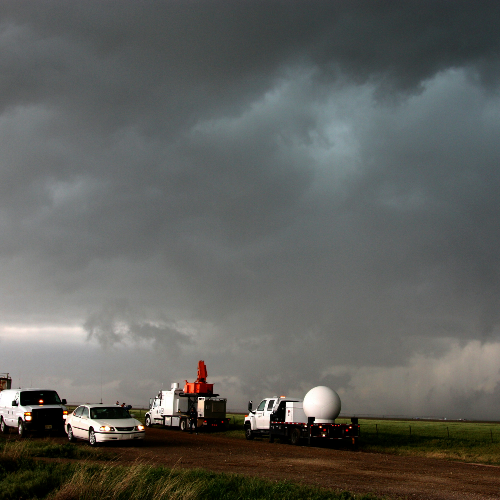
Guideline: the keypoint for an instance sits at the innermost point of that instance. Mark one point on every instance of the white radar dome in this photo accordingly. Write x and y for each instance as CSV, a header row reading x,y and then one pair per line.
x,y
322,403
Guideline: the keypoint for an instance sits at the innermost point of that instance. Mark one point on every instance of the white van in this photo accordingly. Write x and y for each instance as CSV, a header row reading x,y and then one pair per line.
x,y
32,410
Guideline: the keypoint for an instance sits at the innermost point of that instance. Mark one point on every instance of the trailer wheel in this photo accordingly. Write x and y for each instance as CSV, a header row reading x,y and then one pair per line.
x,y
183,426
295,436
248,433
147,421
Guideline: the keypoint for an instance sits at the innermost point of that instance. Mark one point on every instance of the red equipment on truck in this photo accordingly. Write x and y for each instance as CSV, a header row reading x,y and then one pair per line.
x,y
200,386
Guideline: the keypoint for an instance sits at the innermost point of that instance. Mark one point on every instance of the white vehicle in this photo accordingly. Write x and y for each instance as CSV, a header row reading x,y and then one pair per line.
x,y
99,424
172,408
312,419
28,409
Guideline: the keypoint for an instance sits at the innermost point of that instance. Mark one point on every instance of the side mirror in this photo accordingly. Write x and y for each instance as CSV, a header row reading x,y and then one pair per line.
x,y
150,403
63,401
14,403
250,405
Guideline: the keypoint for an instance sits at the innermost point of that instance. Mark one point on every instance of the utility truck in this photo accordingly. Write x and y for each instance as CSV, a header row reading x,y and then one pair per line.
x,y
311,420
171,408
5,381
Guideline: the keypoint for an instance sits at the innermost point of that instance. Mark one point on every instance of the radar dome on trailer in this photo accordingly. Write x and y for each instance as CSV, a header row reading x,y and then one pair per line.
x,y
322,403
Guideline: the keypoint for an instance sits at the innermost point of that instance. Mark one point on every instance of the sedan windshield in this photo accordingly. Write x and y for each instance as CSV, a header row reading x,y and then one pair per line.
x,y
109,412
39,398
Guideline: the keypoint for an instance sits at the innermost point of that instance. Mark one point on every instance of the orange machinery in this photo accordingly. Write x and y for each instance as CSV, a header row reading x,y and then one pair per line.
x,y
200,386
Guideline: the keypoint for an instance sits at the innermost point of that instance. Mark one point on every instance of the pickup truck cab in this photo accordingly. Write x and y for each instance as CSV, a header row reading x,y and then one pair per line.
x,y
258,421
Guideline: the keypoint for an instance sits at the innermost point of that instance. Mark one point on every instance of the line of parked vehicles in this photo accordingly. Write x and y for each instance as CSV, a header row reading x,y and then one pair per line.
x,y
298,421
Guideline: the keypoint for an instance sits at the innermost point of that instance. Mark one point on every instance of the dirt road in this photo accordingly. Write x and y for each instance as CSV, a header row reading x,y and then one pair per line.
x,y
397,477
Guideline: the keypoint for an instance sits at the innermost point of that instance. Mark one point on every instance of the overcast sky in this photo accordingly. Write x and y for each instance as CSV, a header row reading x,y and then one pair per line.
x,y
298,193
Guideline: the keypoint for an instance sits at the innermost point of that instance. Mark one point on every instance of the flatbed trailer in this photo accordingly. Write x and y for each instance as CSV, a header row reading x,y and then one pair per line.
x,y
312,432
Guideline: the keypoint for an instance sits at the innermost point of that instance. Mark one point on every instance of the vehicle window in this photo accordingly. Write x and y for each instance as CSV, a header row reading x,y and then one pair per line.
x,y
271,404
85,412
262,405
39,398
109,413
78,411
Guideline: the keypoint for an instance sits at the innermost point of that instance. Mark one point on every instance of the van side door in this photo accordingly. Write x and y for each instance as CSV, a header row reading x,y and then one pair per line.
x,y
12,411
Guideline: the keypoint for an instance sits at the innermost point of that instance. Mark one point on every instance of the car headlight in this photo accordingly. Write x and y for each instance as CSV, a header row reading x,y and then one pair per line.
x,y
106,428
139,427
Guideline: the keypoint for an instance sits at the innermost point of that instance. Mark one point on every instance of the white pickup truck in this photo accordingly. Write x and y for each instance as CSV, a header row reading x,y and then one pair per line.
x,y
294,419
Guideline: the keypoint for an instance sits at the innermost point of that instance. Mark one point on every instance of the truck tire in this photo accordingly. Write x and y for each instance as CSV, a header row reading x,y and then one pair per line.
x,y
295,436
183,426
21,430
3,427
147,421
71,436
248,433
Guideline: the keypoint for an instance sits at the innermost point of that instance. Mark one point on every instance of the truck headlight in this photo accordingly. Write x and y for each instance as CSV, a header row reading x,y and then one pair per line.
x,y
27,416
139,427
106,428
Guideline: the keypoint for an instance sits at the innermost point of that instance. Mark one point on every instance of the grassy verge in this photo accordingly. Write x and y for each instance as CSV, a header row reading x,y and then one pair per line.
x,y
22,476
27,448
465,441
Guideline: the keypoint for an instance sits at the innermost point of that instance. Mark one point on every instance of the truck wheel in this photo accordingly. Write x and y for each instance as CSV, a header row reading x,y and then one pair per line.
x,y
147,421
183,426
71,437
92,437
295,437
21,429
3,427
249,433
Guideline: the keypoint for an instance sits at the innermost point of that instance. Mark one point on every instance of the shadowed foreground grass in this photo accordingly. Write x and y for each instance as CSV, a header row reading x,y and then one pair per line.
x,y
23,476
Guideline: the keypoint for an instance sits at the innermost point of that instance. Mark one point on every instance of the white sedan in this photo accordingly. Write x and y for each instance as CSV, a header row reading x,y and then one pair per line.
x,y
98,424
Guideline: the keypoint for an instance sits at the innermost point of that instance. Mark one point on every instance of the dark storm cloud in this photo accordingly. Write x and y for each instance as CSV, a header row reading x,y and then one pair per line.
x,y
284,187
117,323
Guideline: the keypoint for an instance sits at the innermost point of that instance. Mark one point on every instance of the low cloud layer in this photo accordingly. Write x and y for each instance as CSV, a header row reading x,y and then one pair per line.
x,y
297,193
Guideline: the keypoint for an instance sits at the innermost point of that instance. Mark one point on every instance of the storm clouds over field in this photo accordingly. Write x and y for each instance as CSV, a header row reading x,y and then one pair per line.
x,y
299,193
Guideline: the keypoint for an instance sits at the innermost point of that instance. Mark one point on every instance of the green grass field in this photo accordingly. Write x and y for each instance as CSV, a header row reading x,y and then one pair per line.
x,y
464,441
